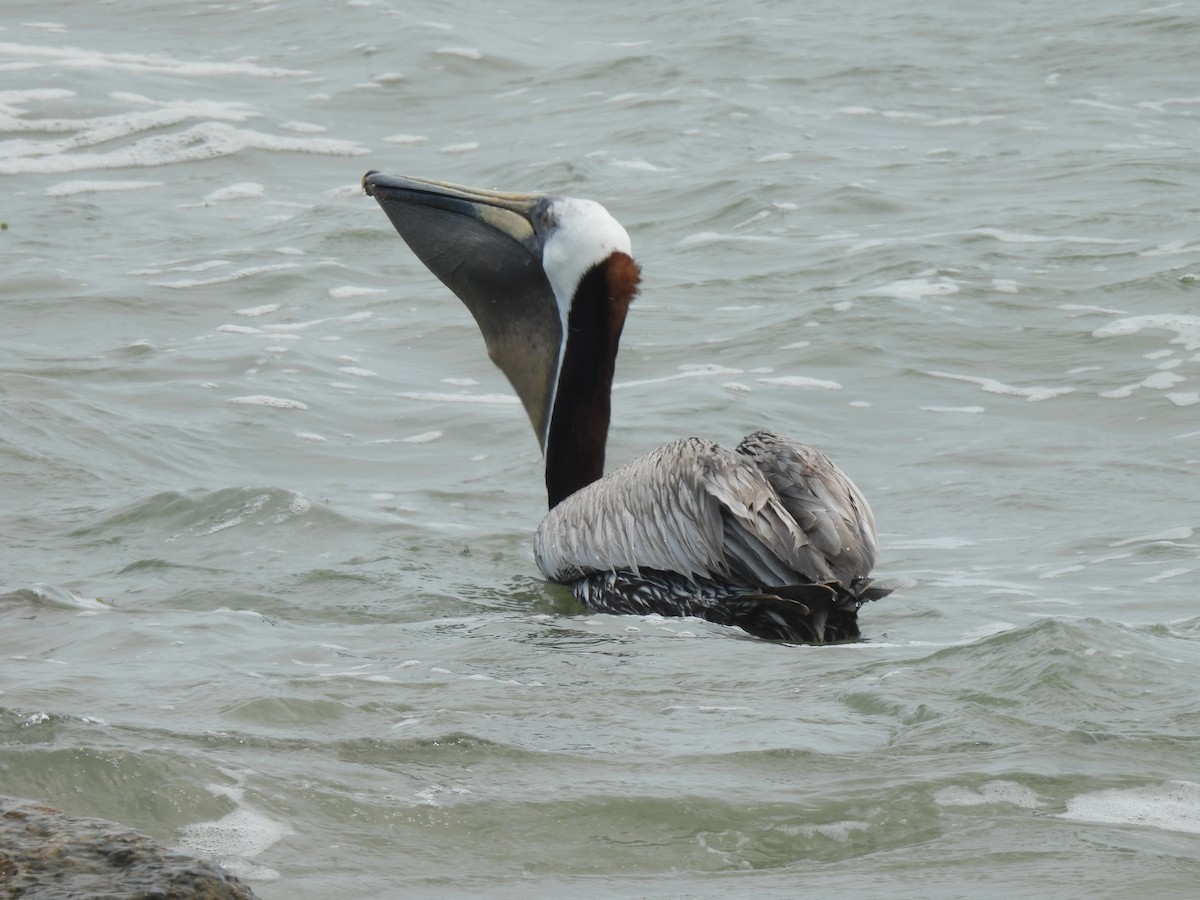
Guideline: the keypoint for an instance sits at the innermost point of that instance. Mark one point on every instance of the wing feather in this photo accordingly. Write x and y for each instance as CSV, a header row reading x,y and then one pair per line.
x,y
772,512
830,508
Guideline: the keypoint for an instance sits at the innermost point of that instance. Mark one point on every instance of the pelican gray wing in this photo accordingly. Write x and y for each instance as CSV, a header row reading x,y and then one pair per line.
x,y
707,513
821,498
651,513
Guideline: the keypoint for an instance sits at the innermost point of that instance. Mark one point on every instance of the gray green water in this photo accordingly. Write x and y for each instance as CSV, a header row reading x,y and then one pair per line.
x,y
266,586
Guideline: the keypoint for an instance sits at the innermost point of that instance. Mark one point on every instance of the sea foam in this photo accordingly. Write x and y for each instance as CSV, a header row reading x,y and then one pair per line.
x,y
1171,805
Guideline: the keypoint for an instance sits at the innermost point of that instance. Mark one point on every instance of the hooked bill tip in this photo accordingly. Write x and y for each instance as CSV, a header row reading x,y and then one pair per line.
x,y
366,183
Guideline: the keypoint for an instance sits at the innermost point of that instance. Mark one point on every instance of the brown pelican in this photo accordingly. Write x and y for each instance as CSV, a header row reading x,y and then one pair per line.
x,y
770,536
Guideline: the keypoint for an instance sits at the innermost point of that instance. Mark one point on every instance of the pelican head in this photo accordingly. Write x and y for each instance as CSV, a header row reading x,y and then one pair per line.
x,y
538,272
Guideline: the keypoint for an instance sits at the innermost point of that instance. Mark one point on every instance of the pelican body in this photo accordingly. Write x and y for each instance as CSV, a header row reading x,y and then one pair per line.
x,y
770,536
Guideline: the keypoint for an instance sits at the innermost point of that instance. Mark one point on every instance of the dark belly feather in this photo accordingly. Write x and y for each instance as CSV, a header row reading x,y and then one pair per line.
x,y
801,613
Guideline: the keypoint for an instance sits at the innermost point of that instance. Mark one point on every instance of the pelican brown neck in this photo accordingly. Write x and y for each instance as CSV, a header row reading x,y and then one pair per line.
x,y
580,417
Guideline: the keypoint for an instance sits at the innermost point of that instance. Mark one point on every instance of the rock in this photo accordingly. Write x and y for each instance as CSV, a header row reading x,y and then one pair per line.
x,y
46,854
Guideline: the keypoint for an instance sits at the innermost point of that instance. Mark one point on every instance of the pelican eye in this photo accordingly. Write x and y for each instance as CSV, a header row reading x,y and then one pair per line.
x,y
545,219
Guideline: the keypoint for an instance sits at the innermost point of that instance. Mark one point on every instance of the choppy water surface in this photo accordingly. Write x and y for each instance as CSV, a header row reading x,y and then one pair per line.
x,y
266,586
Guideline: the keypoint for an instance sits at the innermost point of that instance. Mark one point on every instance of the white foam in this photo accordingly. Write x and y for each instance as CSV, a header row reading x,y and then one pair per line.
x,y
1186,327
961,120
357,371
455,149
1170,248
1189,398
200,266
264,400
248,272
284,328
1008,792
206,140
1099,104
1181,533
936,543
77,57
1171,806
424,437
1169,573
1083,307
757,217
347,291
992,386
62,597
695,370
243,832
71,188
254,311
434,397
94,130
1058,573
1009,237
407,140
303,127
18,97
243,190
989,630
914,289
703,238
801,381
974,410
1162,380
311,437
297,505
872,244
464,52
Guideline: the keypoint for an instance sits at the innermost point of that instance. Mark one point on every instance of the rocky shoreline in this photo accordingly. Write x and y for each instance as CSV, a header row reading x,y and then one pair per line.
x,y
46,854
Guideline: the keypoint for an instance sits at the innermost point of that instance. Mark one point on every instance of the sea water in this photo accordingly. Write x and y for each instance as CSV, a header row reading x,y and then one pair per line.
x,y
266,582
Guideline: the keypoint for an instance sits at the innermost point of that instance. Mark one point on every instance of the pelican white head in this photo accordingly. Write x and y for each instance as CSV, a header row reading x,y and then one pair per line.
x,y
579,234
